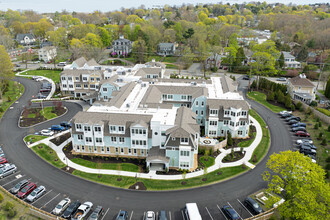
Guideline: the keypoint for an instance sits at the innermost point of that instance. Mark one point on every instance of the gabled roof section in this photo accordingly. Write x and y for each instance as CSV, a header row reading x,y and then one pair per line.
x,y
120,96
299,81
20,37
80,62
226,104
140,122
92,62
75,72
185,123
148,71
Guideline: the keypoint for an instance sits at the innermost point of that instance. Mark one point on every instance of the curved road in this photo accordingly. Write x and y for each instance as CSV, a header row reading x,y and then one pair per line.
x,y
208,198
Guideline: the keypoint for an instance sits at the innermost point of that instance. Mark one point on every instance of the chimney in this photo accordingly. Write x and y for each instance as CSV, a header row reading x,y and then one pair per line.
x,y
121,37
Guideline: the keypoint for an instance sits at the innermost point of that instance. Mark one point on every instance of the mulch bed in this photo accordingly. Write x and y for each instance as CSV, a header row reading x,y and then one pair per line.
x,y
237,141
60,139
170,172
67,150
140,186
70,170
26,122
232,157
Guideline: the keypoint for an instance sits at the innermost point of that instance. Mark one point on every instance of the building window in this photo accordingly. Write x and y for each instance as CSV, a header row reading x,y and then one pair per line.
x,y
202,112
232,123
184,140
80,137
121,129
184,153
196,103
114,139
98,140
244,113
237,124
222,131
225,122
122,150
82,148
97,79
70,86
78,126
105,89
117,150
212,133
170,97
233,114
97,129
112,129
78,148
108,149
134,151
85,78
213,112
86,86
121,139
88,139
77,78
202,104
242,122
173,138
183,97
184,164
196,112
213,123
226,112
87,128
240,132
129,150
92,79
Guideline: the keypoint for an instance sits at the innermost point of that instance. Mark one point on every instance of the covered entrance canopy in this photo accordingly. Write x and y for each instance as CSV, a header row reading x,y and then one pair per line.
x,y
305,97
157,160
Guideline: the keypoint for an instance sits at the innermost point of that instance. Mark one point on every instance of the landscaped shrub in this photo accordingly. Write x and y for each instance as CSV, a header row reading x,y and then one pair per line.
x,y
1,197
299,106
8,206
316,126
11,213
308,111
324,141
270,96
320,124
320,135
229,139
313,103
329,128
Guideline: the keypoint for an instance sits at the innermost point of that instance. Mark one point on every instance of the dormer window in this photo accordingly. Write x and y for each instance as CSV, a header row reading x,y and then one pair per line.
x,y
184,140
213,111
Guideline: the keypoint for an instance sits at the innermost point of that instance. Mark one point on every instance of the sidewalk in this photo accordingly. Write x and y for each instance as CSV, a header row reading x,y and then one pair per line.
x,y
152,175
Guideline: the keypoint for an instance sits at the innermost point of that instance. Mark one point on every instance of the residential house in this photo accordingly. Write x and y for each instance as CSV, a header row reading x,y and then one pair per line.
x,y
47,53
166,49
290,61
214,61
122,46
25,39
301,88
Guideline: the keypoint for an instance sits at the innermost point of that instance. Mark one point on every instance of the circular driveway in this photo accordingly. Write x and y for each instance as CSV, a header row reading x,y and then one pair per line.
x,y
61,184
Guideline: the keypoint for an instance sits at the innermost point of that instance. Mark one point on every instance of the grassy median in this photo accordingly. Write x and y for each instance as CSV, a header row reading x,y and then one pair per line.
x,y
51,74
107,166
153,185
48,154
262,99
10,96
34,138
263,146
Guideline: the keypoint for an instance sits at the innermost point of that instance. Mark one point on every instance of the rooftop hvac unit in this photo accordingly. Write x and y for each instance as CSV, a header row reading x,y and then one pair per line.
x,y
143,85
128,105
119,80
139,81
193,83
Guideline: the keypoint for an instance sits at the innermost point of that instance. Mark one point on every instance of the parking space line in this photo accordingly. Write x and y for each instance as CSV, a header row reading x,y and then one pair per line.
x,y
245,207
50,201
105,214
131,215
209,213
182,215
12,181
42,196
3,178
222,212
170,215
144,215
235,210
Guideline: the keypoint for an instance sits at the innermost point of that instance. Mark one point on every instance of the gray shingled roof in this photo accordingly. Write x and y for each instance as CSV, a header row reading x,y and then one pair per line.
x,y
144,71
20,37
228,85
287,55
298,81
92,62
227,103
120,96
185,123
79,72
156,64
80,61
155,153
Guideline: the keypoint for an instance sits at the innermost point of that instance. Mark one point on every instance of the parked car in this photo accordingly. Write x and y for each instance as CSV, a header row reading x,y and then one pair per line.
x,y
82,211
299,124
302,134
97,213
313,157
230,212
162,215
286,115
44,90
301,141
61,206
36,194
41,96
122,215
20,185
65,124
285,112
26,190
283,79
7,169
46,85
57,128
246,77
61,64
291,122
150,215
299,129
17,65
253,206
71,209
309,145
292,118
3,160
47,132
307,150
38,79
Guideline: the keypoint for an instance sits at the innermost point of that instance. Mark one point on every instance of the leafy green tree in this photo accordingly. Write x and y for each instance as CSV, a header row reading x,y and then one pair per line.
x,y
105,36
240,57
189,33
303,54
327,89
264,65
301,183
229,139
139,50
281,61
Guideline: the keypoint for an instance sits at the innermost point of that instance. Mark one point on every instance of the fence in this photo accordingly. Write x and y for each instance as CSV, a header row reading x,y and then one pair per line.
x,y
263,216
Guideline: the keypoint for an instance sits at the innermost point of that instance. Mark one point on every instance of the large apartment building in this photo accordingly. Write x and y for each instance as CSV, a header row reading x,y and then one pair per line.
x,y
160,119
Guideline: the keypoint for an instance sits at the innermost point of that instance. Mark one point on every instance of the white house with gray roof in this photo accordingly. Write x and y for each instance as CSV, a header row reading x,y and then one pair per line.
x,y
122,46
290,61
166,49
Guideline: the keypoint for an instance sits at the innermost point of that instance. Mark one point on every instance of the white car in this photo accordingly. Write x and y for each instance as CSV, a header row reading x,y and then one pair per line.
x,y
37,193
47,132
38,79
61,206
307,141
285,112
82,211
150,215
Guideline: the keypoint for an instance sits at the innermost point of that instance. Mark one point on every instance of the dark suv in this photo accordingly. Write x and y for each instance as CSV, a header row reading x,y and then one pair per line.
x,y
71,209
307,150
253,206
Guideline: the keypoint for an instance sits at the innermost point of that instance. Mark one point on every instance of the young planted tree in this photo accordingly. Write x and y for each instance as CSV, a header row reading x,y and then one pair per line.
x,y
301,183
139,50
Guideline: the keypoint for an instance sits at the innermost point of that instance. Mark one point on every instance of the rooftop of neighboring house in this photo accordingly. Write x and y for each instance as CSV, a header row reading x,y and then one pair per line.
x,y
227,104
46,48
153,63
122,39
301,80
80,62
288,55
21,37
148,71
79,72
165,45
92,62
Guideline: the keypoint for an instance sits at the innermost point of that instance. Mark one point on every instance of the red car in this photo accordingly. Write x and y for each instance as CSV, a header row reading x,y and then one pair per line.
x,y
302,134
26,190
3,160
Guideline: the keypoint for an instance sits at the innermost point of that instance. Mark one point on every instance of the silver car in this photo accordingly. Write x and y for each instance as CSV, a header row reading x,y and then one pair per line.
x,y
19,186
61,206
7,169
37,193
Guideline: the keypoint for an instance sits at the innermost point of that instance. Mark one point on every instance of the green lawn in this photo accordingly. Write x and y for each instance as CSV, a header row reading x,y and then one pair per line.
x,y
108,166
52,74
48,155
263,146
324,111
247,143
10,96
125,182
170,59
34,138
31,115
321,91
171,66
207,161
261,98
47,113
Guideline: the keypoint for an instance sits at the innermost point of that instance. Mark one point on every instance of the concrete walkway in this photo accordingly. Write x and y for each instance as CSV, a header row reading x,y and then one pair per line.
x,y
52,91
152,174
